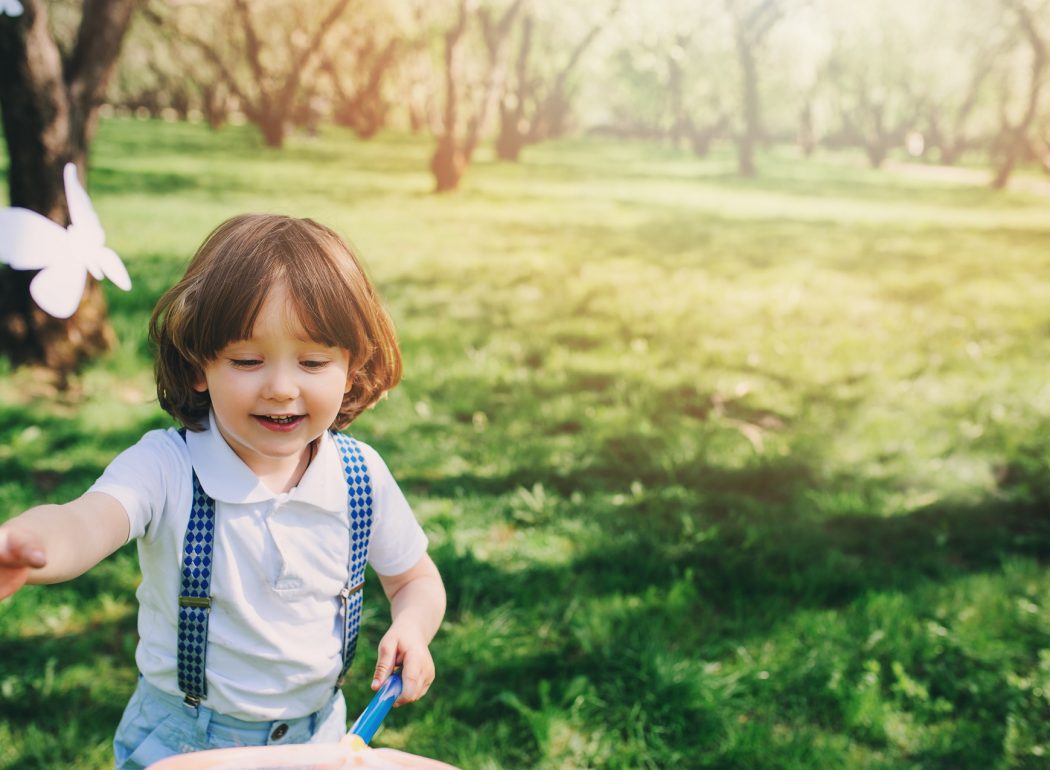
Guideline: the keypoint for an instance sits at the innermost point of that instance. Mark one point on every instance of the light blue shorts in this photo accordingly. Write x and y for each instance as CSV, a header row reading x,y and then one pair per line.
x,y
156,725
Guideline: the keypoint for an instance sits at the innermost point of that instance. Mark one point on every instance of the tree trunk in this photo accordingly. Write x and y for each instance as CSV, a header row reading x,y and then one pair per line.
x,y
749,133
447,165
510,141
1005,167
508,148
751,24
511,138
418,116
215,103
700,139
1016,136
273,130
680,121
950,154
876,150
807,135
455,149
49,116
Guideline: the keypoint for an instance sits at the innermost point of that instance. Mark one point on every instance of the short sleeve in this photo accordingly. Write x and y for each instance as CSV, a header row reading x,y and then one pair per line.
x,y
398,542
140,477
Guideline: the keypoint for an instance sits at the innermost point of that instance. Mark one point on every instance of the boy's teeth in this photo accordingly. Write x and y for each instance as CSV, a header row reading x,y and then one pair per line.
x,y
281,420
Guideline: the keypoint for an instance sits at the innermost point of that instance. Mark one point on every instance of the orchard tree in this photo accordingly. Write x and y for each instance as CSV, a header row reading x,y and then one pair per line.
x,y
49,97
262,52
669,73
958,61
156,74
538,95
752,21
1014,140
362,64
872,75
898,70
473,49
699,127
359,100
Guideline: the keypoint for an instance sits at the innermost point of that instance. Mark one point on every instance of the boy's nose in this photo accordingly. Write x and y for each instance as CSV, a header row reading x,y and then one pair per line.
x,y
280,385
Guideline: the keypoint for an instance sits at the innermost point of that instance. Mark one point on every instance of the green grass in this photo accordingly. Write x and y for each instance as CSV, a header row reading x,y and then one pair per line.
x,y
719,473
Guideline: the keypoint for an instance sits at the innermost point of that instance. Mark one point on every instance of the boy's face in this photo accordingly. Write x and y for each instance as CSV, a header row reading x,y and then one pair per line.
x,y
276,392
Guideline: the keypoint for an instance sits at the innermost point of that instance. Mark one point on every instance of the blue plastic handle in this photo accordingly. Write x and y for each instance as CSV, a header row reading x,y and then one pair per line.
x,y
367,724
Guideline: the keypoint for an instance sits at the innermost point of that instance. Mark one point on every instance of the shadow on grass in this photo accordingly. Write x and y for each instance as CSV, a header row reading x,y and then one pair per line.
x,y
752,566
644,595
104,646
74,685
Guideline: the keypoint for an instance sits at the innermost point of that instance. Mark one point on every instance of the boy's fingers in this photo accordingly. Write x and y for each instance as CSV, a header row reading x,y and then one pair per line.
x,y
384,665
11,580
416,683
33,556
413,692
18,550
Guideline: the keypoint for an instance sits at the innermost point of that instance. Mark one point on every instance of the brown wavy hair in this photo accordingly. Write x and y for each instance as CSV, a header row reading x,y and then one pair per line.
x,y
225,285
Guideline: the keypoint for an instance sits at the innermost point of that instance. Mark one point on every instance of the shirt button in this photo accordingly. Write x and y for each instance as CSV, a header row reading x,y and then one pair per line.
x,y
279,732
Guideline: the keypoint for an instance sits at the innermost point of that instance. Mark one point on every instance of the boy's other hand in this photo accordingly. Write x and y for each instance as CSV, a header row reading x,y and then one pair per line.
x,y
19,552
402,647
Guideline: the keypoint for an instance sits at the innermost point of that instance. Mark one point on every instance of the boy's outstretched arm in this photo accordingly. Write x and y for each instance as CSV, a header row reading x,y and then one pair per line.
x,y
52,543
417,605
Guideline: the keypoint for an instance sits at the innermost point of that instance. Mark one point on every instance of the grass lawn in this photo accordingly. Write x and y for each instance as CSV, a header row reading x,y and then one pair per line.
x,y
719,473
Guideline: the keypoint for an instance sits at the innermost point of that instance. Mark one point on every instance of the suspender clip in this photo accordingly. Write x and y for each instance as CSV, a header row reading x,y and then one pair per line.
x,y
195,601
347,592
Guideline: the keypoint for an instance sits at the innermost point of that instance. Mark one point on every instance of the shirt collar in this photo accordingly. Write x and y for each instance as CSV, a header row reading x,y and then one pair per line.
x,y
224,476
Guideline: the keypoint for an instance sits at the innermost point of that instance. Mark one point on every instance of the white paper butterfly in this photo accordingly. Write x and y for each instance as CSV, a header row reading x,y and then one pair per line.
x,y
63,255
11,8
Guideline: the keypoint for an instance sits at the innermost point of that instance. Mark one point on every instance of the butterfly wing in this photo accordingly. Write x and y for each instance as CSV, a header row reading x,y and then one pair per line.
x,y
30,241
84,222
113,268
11,7
86,230
57,290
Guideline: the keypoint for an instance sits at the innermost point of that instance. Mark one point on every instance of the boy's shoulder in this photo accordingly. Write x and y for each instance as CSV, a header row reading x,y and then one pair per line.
x,y
346,439
377,467
162,440
162,448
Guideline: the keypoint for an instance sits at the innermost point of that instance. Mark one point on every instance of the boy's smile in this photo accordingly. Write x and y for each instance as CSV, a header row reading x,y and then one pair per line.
x,y
276,392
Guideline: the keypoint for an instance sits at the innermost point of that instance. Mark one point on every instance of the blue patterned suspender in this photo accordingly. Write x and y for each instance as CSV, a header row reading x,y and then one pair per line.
x,y
359,507
198,546
195,594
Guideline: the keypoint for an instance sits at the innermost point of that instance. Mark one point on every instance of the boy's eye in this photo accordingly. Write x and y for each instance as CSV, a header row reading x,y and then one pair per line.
x,y
245,362
314,364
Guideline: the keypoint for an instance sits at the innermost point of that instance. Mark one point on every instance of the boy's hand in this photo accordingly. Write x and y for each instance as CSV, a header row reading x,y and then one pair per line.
x,y
417,604
19,552
400,646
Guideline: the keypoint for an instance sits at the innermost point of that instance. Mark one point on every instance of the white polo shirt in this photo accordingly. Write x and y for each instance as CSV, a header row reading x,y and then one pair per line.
x,y
275,628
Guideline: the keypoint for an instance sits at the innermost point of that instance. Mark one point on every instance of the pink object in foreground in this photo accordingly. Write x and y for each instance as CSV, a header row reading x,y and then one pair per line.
x,y
349,754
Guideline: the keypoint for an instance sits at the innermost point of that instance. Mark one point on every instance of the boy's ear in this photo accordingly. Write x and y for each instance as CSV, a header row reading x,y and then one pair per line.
x,y
200,384
349,381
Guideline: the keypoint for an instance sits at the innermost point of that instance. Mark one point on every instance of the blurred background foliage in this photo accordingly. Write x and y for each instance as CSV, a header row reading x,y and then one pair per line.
x,y
939,80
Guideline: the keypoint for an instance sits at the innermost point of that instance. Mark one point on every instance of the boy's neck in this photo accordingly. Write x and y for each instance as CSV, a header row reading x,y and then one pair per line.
x,y
277,475
279,481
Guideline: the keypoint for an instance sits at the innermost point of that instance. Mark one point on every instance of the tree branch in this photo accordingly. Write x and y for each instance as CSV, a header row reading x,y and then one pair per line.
x,y
251,41
209,51
309,54
103,24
